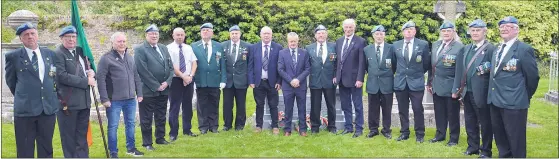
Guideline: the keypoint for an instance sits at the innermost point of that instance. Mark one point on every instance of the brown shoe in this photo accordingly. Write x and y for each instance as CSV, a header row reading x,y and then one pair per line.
x,y
287,134
303,134
258,130
275,131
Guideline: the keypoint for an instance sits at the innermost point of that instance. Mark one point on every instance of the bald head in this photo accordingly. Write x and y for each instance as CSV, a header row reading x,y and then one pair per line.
x,y
178,35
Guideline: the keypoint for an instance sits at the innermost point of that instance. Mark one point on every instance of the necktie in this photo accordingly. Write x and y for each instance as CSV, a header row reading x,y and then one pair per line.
x,y
207,51
441,50
346,46
35,61
500,54
182,63
155,48
378,54
234,51
294,57
407,52
321,53
265,58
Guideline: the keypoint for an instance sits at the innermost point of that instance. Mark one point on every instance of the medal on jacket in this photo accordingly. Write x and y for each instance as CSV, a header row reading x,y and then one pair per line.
x,y
332,56
245,53
388,63
52,71
418,58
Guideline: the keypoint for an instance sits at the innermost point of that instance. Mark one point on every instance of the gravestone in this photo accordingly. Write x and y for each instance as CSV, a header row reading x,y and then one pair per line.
x,y
551,95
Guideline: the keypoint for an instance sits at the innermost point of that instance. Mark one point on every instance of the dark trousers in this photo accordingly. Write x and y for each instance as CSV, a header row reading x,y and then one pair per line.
x,y
509,126
347,96
29,130
264,93
180,95
475,116
447,114
239,96
289,97
73,133
316,104
153,108
403,97
208,99
377,102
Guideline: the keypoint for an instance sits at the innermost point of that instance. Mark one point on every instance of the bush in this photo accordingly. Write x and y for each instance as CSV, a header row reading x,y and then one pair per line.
x,y
538,19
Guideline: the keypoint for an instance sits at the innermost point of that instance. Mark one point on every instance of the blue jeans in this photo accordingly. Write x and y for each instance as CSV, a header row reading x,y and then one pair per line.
x,y
128,108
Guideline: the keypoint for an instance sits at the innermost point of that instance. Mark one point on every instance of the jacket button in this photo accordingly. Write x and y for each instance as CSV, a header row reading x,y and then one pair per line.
x,y
41,87
42,97
493,89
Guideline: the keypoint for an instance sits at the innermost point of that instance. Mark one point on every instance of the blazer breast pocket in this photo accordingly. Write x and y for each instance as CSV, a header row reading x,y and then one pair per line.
x,y
510,66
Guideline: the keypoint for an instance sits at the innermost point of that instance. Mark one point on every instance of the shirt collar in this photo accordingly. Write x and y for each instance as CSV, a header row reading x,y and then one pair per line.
x,y
269,44
510,42
381,45
350,37
30,52
480,43
209,43
411,41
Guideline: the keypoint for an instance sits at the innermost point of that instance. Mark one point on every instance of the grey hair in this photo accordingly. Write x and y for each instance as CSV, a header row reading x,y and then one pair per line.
x,y
265,28
456,37
292,35
177,29
115,35
349,21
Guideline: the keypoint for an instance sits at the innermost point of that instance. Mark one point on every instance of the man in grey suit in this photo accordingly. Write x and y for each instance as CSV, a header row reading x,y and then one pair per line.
x,y
380,82
74,81
30,75
236,52
470,85
441,79
513,81
412,61
350,75
155,68
323,68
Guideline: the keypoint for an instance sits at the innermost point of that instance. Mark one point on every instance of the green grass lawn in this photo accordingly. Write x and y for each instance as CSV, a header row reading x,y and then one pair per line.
x,y
542,141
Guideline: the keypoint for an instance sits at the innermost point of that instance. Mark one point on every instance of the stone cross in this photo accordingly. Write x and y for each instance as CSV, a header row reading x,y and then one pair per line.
x,y
449,9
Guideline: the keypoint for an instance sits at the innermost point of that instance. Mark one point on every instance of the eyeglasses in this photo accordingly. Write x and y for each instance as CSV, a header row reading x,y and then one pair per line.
x,y
70,36
507,27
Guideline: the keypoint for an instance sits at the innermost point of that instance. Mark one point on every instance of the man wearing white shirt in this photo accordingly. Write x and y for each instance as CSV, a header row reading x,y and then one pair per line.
x,y
182,86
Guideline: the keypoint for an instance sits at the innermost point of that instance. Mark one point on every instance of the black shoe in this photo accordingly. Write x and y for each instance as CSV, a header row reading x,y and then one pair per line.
x,y
436,140
214,130
346,132
239,129
450,144
190,134
402,138
333,131
226,129
173,138
162,142
134,152
471,153
203,131
149,148
372,134
484,156
357,134
387,135
419,139
114,154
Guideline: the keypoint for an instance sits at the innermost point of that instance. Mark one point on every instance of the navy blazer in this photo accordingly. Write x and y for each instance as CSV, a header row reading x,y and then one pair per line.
x,y
255,64
31,96
411,73
72,86
351,65
287,72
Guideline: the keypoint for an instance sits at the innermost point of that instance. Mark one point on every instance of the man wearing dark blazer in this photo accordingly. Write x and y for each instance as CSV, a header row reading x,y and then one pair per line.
x,y
473,67
210,77
155,68
412,61
74,81
513,81
379,59
350,75
30,75
441,78
264,78
321,81
294,67
235,89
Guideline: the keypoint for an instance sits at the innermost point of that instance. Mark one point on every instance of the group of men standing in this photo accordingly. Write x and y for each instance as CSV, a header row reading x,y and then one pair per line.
x,y
495,85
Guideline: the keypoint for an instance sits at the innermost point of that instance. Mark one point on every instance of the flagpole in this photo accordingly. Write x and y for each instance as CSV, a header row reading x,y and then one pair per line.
x,y
98,113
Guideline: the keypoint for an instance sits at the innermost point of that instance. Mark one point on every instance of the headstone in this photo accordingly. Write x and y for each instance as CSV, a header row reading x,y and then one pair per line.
x,y
551,95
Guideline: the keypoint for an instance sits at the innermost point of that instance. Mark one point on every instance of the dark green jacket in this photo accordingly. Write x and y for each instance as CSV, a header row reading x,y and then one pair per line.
x,y
236,70
213,73
411,73
443,65
381,75
152,70
322,73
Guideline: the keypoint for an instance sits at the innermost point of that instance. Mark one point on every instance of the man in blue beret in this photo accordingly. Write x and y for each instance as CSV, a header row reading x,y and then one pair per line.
x,y
412,61
155,68
350,75
236,86
210,77
513,81
75,79
470,85
31,77
321,81
444,53
380,82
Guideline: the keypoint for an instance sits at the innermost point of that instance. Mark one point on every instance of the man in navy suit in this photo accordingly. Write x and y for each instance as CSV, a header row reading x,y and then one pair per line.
x,y
263,77
350,75
30,75
294,67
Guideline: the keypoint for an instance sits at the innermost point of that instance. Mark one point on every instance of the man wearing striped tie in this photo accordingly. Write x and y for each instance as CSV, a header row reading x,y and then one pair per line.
x,y
182,86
